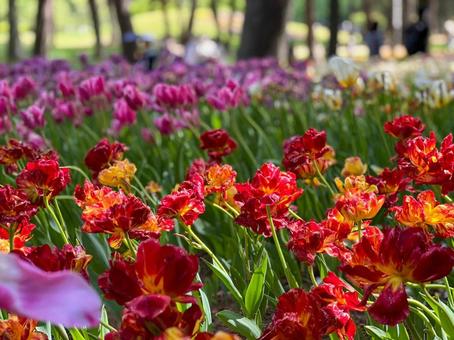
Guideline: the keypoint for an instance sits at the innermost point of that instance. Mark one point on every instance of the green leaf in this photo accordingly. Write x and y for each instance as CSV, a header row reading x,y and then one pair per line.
x,y
75,334
206,309
399,332
216,122
102,331
239,324
446,318
225,278
256,288
377,332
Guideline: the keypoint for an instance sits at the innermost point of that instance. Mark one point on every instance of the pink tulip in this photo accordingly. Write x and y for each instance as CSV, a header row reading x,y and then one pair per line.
x,y
62,297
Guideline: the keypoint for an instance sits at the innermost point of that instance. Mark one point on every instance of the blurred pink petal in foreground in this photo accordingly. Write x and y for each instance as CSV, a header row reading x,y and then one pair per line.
x,y
58,297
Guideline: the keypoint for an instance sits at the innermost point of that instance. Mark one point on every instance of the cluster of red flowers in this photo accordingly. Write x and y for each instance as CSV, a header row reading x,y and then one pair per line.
x,y
153,289
185,203
372,259
103,155
217,143
49,259
157,288
38,182
358,199
271,192
324,310
419,157
387,259
118,214
43,179
311,238
308,155
425,212
14,151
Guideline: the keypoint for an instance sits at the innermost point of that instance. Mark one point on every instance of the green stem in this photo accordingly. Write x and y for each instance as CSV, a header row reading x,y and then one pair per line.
x,y
232,209
424,288
11,232
295,215
322,260
323,178
310,269
77,169
62,221
448,288
106,325
429,285
288,274
64,197
222,209
54,216
422,306
129,245
424,318
203,246
359,230
147,195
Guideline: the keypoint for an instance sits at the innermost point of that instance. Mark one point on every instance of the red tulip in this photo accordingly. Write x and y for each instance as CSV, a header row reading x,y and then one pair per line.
x,y
387,260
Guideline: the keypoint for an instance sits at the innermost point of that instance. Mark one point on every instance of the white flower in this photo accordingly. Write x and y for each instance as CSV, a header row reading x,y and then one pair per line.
x,y
439,95
345,70
384,80
333,99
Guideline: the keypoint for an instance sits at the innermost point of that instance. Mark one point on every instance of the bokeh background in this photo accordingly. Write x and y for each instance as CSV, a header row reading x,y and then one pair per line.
x,y
289,29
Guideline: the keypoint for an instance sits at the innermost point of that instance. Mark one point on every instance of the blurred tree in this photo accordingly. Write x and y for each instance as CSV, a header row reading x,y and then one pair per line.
x,y
165,17
333,26
409,8
434,15
115,38
13,43
214,9
95,18
43,28
128,41
310,26
263,28
367,8
233,4
187,34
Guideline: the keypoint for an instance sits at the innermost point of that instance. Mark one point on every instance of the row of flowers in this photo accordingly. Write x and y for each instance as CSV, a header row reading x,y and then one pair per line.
x,y
174,92
157,285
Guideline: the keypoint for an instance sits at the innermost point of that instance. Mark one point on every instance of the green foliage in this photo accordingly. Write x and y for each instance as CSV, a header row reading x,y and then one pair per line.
x,y
240,324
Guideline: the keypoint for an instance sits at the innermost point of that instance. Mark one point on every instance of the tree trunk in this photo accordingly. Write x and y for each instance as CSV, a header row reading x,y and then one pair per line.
x,y
43,27
409,13
187,34
13,43
263,28
214,10
397,21
367,7
95,18
233,7
165,17
115,34
434,23
310,26
333,26
124,20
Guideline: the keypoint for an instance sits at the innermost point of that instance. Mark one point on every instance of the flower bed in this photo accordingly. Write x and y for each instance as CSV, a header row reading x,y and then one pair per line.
x,y
224,202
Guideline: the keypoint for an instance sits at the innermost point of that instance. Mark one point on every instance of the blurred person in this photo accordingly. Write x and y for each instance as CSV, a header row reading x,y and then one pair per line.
x,y
449,27
416,36
200,50
373,38
150,51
